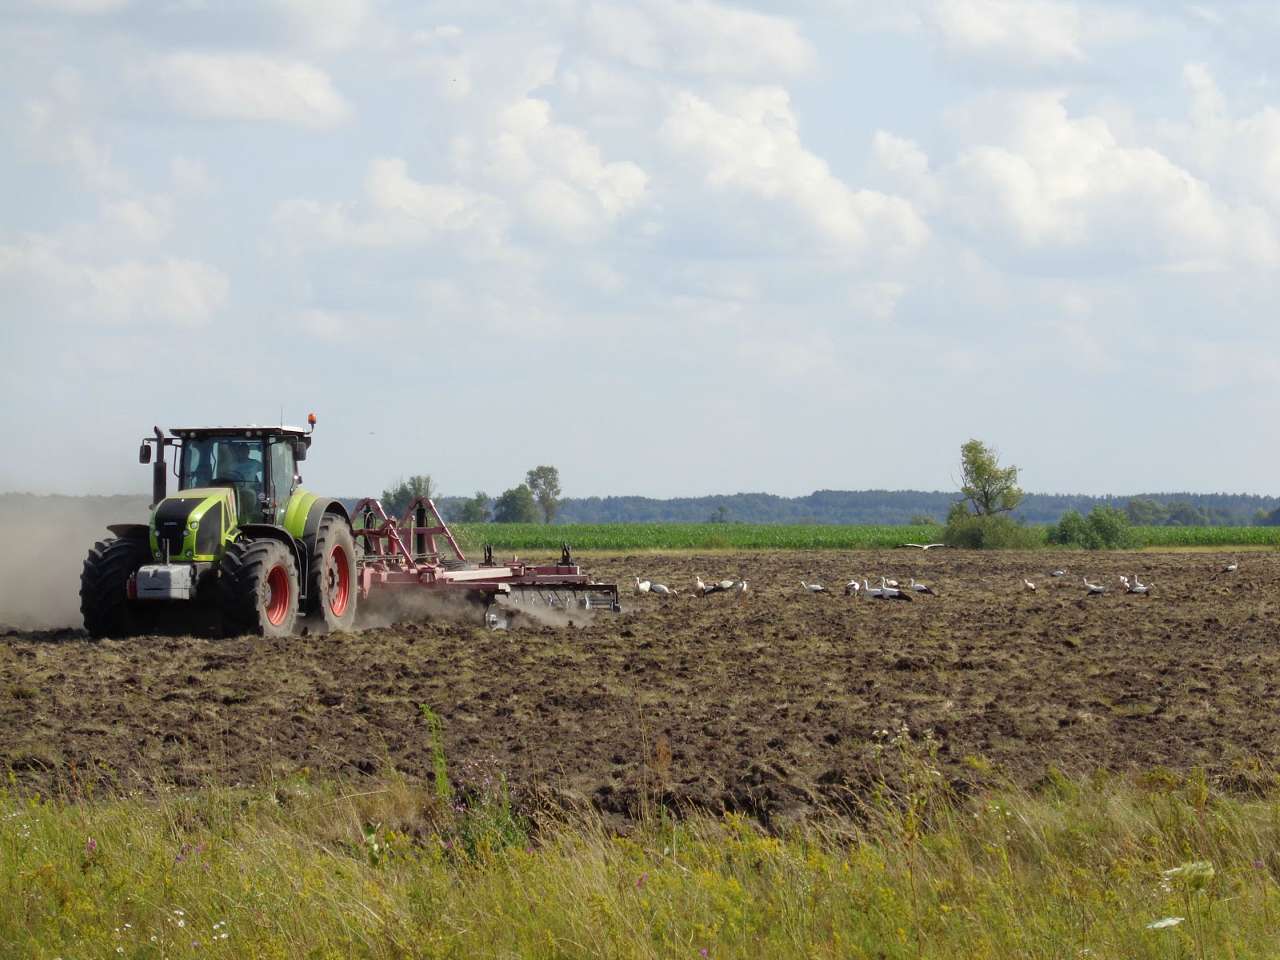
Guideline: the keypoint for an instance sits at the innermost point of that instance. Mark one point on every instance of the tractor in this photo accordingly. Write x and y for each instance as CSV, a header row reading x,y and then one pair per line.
x,y
243,544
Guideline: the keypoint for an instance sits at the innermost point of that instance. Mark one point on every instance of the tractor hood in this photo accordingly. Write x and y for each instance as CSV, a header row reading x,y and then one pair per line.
x,y
192,524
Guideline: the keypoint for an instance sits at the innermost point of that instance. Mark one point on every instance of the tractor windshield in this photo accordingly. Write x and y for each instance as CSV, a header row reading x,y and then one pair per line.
x,y
225,461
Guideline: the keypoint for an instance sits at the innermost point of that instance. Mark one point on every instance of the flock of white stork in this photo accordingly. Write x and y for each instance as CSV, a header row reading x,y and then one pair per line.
x,y
890,589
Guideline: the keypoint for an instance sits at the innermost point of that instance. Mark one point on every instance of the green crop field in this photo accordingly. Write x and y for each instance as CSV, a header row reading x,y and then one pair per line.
x,y
743,536
691,536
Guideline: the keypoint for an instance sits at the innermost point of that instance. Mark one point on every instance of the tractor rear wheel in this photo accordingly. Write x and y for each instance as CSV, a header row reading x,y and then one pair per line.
x,y
331,587
258,589
104,584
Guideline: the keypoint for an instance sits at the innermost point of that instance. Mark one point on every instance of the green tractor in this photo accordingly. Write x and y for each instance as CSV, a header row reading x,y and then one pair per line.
x,y
240,539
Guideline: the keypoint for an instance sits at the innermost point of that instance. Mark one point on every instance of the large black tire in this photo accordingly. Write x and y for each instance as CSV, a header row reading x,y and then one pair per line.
x,y
258,589
104,582
331,584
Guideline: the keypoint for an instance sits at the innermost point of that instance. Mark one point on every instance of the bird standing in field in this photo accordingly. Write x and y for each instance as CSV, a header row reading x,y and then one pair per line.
x,y
740,588
642,586
1058,573
869,591
813,587
1231,567
1028,585
1138,586
1095,589
853,586
891,593
921,588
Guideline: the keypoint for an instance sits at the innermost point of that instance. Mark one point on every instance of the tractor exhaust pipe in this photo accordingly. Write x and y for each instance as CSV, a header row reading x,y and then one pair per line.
x,y
159,480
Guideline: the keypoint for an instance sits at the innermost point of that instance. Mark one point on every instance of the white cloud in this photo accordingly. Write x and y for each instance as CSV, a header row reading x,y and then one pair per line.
x,y
1034,31
1065,185
326,24
1242,153
398,210
749,144
170,290
245,86
564,182
698,37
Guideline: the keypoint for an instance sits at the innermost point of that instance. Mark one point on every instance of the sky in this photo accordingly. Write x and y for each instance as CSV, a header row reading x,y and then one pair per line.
x,y
671,248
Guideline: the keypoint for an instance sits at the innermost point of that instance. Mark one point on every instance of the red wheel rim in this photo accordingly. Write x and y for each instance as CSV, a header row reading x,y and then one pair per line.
x,y
278,596
339,582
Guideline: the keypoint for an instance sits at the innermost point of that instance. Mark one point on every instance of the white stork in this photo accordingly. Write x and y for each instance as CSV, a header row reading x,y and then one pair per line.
x,y
921,588
853,586
740,588
1028,585
1138,586
869,591
1231,567
891,593
1095,589
811,587
642,586
924,546
661,589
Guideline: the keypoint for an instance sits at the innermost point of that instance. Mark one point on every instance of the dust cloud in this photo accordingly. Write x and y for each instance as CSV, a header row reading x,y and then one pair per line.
x,y
45,543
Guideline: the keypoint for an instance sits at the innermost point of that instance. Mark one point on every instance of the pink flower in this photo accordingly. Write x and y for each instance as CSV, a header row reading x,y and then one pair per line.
x,y
704,952
90,847
641,879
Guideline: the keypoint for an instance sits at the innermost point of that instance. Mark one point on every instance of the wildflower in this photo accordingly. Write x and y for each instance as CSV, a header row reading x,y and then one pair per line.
x,y
1166,922
1259,865
640,880
704,952
90,847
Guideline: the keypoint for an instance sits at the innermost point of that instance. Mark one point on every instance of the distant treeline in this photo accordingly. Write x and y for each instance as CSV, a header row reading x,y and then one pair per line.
x,y
906,507
877,507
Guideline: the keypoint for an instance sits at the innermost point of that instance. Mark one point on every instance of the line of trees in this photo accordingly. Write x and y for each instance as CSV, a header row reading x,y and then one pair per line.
x,y
536,500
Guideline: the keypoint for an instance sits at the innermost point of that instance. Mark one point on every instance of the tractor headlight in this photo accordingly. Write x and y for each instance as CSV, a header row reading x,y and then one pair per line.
x,y
193,524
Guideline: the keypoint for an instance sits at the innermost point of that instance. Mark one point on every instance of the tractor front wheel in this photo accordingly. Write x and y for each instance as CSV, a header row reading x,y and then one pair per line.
x,y
258,589
104,584
331,589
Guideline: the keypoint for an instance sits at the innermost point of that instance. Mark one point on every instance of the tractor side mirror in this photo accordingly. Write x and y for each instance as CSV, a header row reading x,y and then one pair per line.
x,y
299,451
144,453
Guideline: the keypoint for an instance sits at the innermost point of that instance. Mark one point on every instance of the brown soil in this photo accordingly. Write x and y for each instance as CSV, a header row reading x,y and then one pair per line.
x,y
768,704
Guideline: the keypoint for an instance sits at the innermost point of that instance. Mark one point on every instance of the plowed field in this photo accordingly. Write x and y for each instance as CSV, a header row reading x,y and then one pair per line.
x,y
768,704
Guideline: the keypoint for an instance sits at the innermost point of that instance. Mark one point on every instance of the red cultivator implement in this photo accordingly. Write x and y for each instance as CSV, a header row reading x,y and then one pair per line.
x,y
419,551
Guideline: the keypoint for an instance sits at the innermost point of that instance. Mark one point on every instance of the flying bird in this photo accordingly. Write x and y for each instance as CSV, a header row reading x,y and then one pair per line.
x,y
811,587
921,588
924,546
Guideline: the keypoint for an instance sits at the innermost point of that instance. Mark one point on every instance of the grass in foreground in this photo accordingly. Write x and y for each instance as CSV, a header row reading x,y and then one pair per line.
x,y
747,536
1098,869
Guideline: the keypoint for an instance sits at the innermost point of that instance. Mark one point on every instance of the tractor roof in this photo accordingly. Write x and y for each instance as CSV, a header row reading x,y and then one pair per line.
x,y
252,430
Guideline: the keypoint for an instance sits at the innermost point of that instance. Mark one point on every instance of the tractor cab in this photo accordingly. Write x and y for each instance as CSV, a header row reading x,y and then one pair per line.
x,y
259,464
